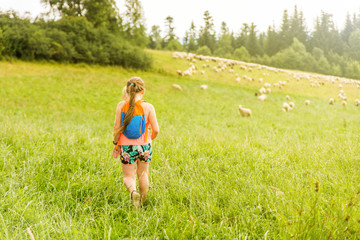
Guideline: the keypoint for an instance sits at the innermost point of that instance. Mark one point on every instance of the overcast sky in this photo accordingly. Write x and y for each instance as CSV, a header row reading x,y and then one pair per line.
x,y
262,12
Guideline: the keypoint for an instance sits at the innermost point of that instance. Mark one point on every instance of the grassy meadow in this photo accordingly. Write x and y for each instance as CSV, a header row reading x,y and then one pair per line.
x,y
214,174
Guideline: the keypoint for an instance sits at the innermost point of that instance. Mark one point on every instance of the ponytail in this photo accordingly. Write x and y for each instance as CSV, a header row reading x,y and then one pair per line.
x,y
133,86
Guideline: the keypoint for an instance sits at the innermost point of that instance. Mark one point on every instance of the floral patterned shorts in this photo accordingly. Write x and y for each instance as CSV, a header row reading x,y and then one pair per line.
x,y
130,153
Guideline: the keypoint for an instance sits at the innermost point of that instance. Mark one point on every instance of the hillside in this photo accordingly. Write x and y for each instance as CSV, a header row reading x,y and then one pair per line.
x,y
214,174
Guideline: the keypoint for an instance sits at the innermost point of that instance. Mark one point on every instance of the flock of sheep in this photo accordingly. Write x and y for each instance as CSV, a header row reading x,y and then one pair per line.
x,y
221,64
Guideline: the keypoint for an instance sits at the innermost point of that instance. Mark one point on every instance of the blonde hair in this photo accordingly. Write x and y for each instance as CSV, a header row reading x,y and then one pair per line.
x,y
133,86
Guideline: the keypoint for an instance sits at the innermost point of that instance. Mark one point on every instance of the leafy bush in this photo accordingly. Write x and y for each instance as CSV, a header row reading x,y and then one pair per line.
x,y
70,39
174,45
204,50
242,54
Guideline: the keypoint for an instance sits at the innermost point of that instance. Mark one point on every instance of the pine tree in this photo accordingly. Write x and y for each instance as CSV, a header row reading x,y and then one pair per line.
x,y
243,36
326,36
285,33
170,35
272,42
297,26
207,33
224,48
252,44
190,38
348,29
155,37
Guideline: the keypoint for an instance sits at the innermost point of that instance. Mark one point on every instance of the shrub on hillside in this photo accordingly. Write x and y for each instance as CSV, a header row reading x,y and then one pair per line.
x,y
204,50
242,54
174,45
70,39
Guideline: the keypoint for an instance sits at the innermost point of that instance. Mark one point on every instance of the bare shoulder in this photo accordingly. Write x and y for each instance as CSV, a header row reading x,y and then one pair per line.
x,y
120,105
148,106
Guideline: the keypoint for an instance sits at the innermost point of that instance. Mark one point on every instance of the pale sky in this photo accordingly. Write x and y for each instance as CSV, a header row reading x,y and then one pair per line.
x,y
262,12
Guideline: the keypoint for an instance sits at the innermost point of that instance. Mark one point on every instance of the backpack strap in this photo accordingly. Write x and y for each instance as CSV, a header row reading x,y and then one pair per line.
x,y
147,124
146,130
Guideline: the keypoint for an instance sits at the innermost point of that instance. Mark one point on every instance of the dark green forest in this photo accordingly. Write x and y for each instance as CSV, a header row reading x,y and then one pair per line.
x,y
94,32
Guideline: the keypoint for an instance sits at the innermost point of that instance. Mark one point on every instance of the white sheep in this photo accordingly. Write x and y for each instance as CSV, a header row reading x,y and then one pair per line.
x,y
262,97
291,104
262,91
187,72
331,101
202,72
286,107
357,102
287,97
267,85
179,72
344,103
203,87
268,90
177,87
238,79
245,112
307,102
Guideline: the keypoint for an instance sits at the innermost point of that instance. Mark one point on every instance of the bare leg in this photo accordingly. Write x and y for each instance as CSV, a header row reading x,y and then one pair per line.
x,y
143,176
129,176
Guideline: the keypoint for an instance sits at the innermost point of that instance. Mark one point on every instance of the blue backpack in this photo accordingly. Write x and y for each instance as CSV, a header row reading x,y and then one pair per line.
x,y
138,124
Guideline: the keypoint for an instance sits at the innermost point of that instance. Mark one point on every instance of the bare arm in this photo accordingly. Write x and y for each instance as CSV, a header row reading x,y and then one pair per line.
x,y
153,122
117,124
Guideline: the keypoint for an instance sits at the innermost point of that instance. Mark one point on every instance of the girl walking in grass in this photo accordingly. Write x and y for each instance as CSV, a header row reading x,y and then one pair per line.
x,y
132,138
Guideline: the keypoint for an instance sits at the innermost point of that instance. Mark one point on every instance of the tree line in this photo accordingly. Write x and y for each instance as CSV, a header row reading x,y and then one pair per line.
x,y
326,49
94,31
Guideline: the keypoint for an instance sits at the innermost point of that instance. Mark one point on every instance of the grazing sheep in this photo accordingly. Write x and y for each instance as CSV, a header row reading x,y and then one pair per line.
x,y
177,87
245,112
262,97
286,107
202,72
238,79
287,97
260,80
291,104
357,102
344,103
262,91
267,85
331,101
203,87
179,72
231,70
307,102
268,90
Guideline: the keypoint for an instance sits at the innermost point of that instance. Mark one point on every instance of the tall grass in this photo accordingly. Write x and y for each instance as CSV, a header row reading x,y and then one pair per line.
x,y
214,175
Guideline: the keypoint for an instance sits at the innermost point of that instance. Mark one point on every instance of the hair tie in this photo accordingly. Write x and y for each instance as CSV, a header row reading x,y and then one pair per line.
x,y
132,84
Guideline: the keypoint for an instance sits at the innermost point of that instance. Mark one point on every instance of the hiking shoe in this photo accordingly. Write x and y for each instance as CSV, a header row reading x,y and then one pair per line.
x,y
136,199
